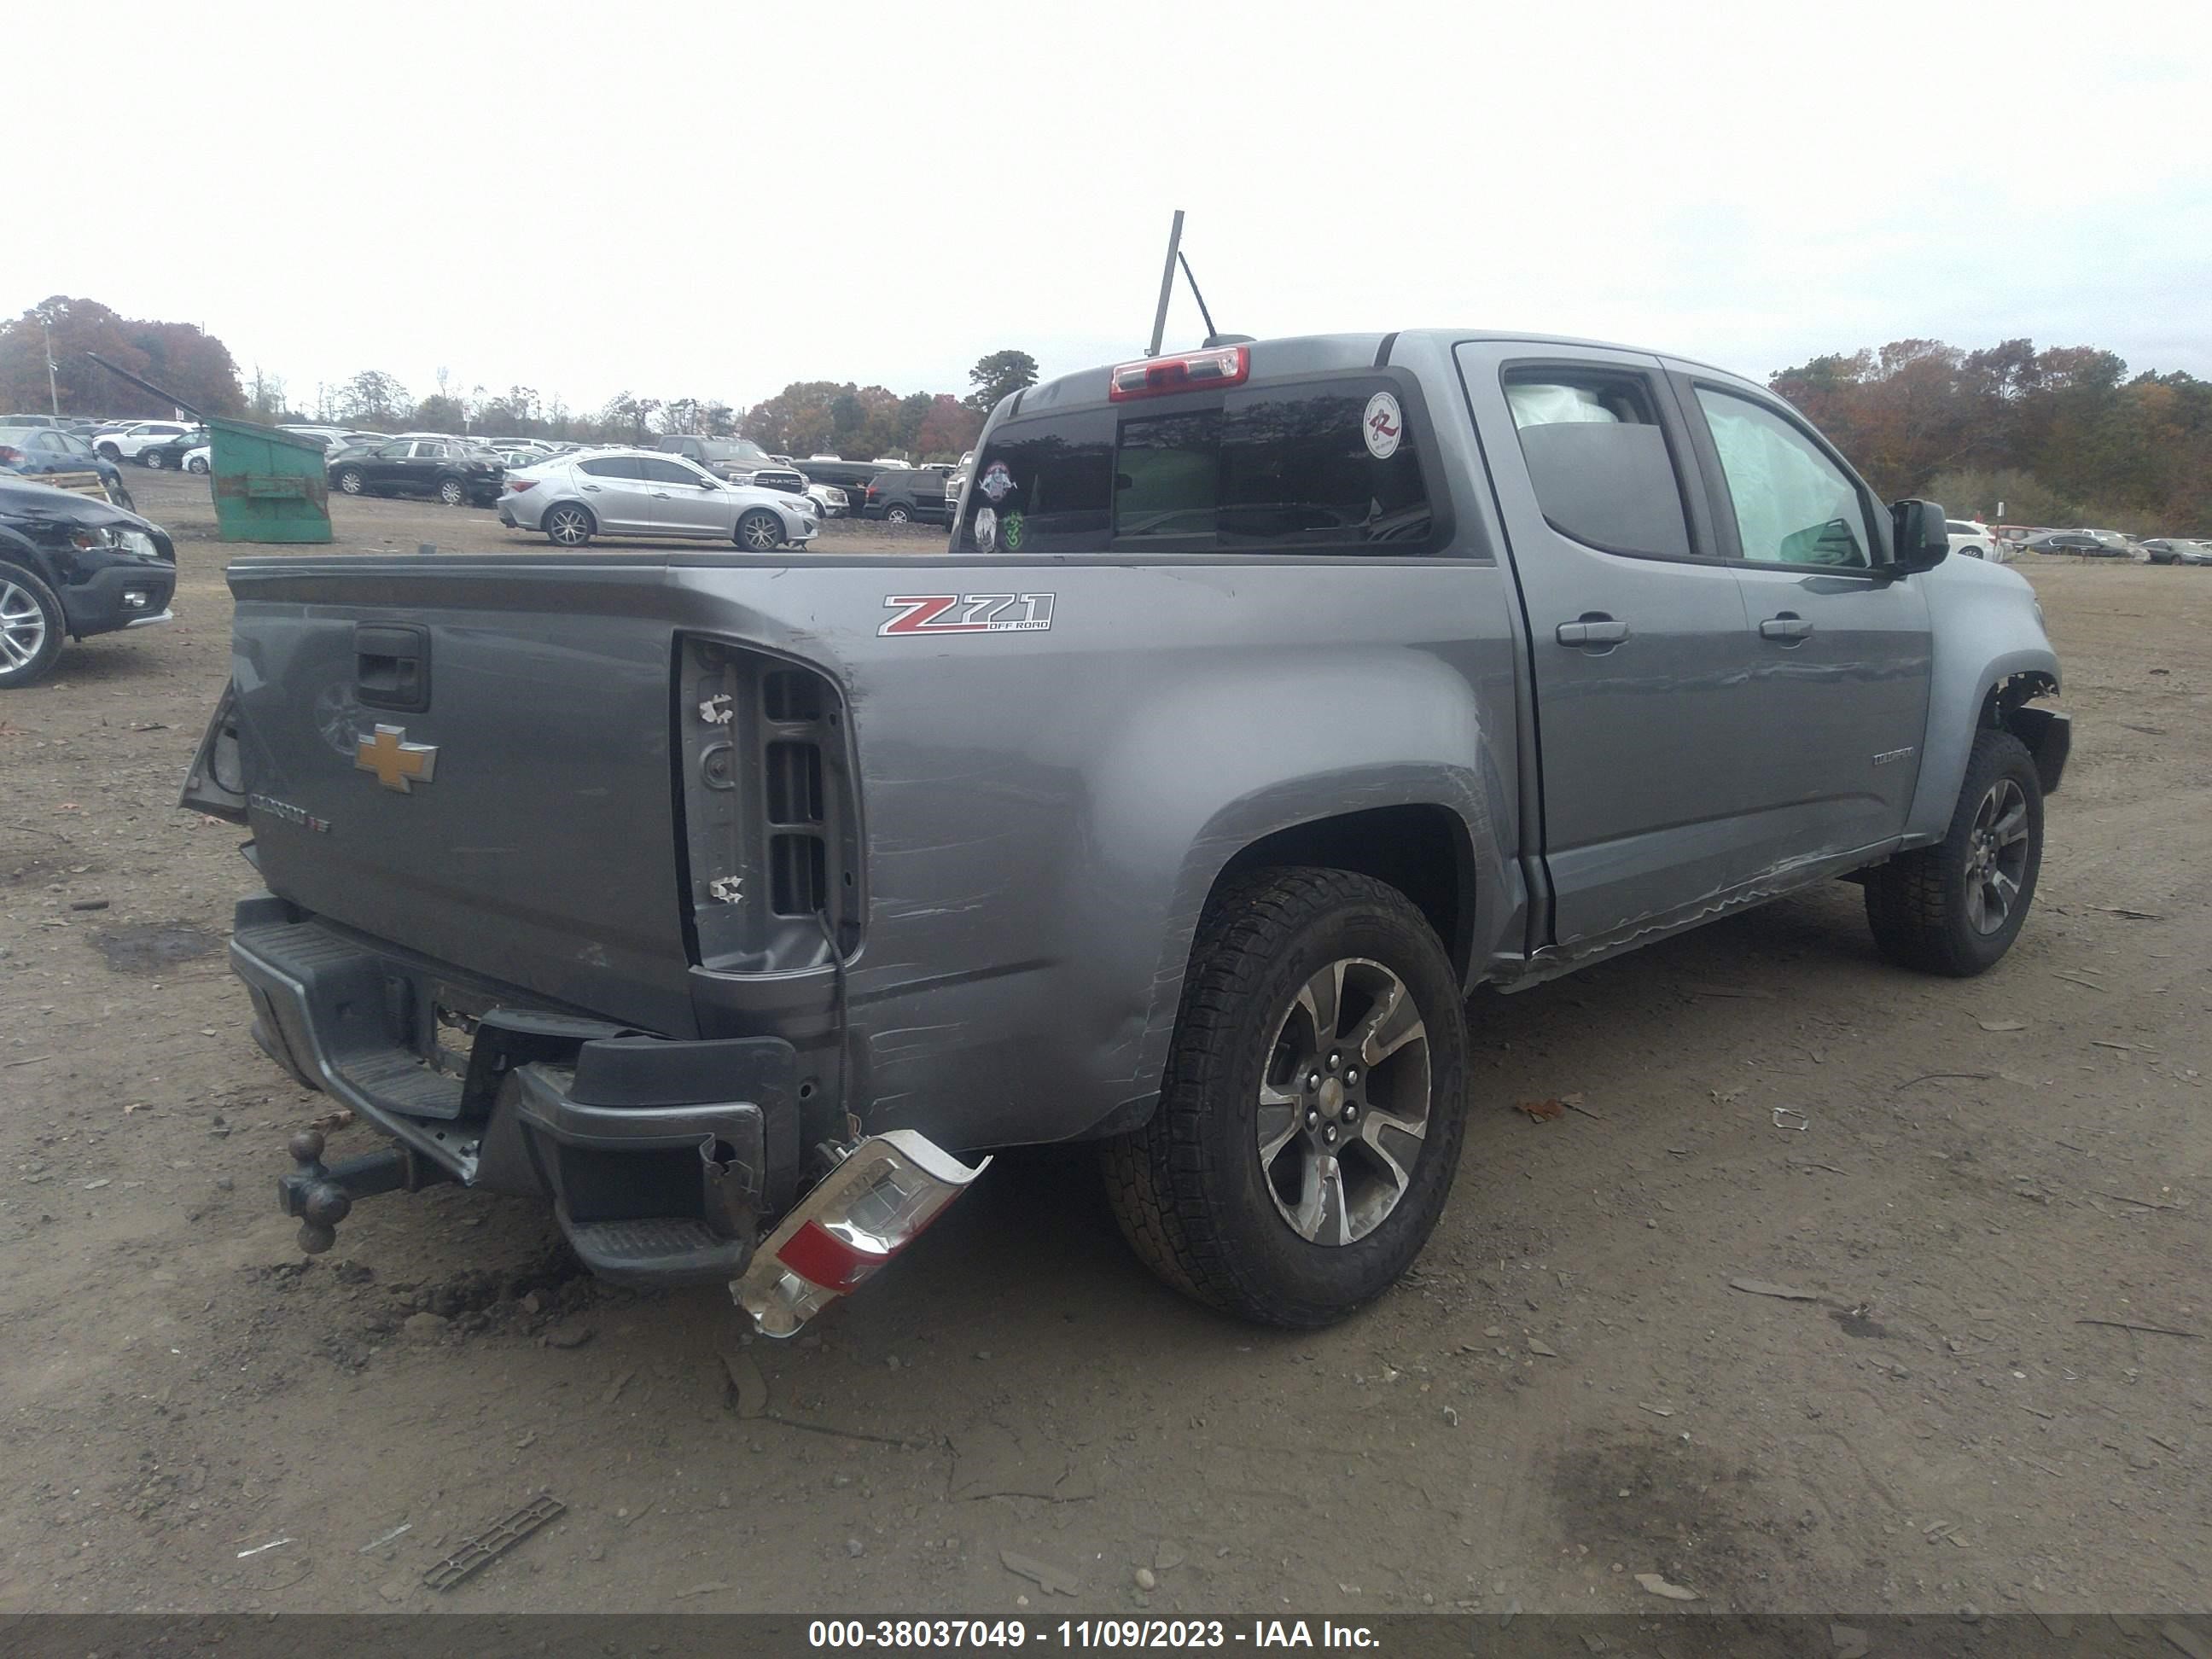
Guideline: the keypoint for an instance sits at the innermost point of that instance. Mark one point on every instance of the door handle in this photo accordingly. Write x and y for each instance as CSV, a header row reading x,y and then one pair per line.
x,y
660,494
1787,626
594,489
1592,628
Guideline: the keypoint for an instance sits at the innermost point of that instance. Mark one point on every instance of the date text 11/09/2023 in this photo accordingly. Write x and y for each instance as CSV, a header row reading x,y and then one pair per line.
x,y
894,1633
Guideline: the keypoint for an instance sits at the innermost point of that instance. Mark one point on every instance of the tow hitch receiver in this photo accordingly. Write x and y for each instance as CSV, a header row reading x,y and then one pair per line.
x,y
883,1193
322,1196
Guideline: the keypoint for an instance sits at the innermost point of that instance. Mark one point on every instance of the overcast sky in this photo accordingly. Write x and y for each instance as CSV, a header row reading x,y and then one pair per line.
x,y
713,200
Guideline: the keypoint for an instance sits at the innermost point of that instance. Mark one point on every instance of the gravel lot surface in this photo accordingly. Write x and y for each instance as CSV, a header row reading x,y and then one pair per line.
x,y
1566,1393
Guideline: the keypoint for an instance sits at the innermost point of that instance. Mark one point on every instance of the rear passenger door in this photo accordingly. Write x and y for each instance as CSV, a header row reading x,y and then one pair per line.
x,y
1840,649
1638,641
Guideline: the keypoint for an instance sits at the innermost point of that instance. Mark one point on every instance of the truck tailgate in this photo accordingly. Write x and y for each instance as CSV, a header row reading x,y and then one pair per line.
x,y
473,762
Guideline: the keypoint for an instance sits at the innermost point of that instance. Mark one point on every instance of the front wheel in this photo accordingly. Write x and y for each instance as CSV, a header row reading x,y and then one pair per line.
x,y
1955,908
352,481
1310,1121
31,626
197,464
760,532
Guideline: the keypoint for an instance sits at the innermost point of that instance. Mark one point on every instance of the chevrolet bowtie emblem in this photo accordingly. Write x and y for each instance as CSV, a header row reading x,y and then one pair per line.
x,y
397,763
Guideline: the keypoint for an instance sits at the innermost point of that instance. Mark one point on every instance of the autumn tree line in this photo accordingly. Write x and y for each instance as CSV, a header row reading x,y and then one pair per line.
x,y
806,418
2061,436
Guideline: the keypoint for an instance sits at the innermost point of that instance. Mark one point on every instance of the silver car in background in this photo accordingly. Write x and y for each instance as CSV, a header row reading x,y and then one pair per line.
x,y
641,492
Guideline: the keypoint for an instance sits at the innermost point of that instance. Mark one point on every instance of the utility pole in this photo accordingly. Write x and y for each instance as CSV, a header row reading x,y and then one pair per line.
x,y
1167,285
53,394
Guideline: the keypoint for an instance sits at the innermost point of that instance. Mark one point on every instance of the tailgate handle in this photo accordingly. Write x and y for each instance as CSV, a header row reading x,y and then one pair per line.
x,y
391,666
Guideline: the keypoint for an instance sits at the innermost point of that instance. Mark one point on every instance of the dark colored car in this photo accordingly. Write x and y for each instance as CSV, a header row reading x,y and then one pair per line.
x,y
851,477
446,469
71,566
909,494
2175,549
33,451
169,454
2076,542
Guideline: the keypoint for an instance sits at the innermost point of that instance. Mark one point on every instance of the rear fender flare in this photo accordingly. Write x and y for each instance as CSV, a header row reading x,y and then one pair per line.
x,y
1275,750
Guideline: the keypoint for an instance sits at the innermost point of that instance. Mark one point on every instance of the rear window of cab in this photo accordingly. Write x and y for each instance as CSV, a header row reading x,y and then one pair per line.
x,y
1329,465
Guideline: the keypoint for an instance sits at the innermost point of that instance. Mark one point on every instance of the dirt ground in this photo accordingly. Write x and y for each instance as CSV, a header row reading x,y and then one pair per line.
x,y
1962,1177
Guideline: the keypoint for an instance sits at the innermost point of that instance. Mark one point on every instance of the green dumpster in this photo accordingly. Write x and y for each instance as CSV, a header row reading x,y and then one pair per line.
x,y
269,486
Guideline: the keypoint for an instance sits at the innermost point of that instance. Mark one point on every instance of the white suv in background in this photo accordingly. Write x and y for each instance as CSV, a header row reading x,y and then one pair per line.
x,y
1973,540
124,445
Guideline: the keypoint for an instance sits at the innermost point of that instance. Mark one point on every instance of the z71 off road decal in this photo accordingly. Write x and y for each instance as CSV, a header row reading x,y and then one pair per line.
x,y
968,613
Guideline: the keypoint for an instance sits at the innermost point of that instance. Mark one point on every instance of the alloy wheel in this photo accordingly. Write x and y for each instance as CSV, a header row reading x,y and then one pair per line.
x,y
1344,1104
567,527
451,492
350,482
761,532
1997,856
23,626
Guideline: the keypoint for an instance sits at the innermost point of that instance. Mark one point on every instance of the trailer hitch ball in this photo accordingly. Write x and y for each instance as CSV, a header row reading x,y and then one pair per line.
x,y
322,1203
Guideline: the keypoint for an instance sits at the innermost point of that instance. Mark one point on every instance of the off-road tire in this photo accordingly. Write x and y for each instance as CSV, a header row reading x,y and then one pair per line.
x,y
13,675
1917,903
1188,1188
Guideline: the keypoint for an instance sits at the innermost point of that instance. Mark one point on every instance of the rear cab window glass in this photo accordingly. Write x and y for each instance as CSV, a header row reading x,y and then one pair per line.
x,y
1598,459
1793,505
1274,467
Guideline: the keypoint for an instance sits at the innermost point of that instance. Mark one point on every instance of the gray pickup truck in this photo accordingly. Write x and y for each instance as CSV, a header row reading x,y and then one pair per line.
x,y
1266,699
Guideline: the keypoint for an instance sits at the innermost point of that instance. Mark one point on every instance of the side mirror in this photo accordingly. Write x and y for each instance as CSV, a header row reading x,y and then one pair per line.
x,y
1922,539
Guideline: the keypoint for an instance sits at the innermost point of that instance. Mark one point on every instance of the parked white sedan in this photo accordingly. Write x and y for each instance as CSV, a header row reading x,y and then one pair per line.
x,y
641,492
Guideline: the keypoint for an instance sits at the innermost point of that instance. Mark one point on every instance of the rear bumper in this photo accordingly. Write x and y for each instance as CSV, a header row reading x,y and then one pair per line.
x,y
657,1155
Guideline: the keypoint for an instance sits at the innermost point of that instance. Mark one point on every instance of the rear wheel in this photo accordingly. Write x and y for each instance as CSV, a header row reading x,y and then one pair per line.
x,y
31,626
897,513
453,492
111,452
1955,908
352,481
568,525
1310,1122
150,457
760,532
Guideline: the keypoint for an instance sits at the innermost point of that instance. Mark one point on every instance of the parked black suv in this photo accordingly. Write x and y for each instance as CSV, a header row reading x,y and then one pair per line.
x,y
421,463
70,566
909,493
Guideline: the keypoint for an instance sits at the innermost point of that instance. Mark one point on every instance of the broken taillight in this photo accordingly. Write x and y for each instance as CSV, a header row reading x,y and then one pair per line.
x,y
1188,371
875,1203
